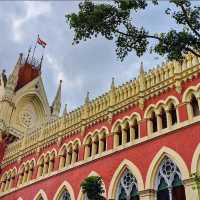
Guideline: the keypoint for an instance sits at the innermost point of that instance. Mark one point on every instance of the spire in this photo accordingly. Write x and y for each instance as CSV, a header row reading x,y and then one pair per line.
x,y
29,50
112,84
141,78
141,68
87,98
65,110
40,65
19,61
13,77
56,105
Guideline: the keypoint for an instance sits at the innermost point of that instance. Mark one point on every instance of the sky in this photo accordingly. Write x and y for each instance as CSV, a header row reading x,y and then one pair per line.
x,y
88,66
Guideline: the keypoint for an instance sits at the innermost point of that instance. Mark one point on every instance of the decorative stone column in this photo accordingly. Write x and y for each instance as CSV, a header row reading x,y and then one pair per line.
x,y
69,158
62,161
87,149
74,155
132,133
40,170
149,126
101,144
147,195
191,192
94,148
159,122
51,165
2,186
124,136
169,119
116,139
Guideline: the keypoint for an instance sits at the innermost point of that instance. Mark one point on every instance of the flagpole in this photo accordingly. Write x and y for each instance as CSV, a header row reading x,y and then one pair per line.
x,y
34,48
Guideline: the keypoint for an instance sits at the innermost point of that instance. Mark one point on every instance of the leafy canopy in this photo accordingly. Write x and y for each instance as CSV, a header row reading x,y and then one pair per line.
x,y
114,22
92,187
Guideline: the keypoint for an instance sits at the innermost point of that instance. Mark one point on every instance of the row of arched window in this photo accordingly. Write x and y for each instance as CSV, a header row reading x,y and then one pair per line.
x,y
95,143
125,131
168,185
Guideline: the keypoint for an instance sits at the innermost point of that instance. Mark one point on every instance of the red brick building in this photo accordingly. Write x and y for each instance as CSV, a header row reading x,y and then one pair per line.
x,y
142,138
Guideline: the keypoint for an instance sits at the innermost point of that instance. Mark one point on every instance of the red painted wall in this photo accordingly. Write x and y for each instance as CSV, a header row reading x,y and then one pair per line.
x,y
141,154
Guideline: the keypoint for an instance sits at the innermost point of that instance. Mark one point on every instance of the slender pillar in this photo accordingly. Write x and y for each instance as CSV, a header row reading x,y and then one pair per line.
x,y
124,136
159,122
191,192
62,161
116,139
147,195
169,118
132,133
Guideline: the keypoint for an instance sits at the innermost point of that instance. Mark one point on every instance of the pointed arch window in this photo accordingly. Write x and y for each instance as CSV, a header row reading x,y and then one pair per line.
x,y
136,129
169,183
163,117
127,187
119,133
154,122
173,114
128,133
194,105
65,195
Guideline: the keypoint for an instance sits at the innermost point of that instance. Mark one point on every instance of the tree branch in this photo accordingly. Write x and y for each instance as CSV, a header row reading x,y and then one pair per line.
x,y
188,21
192,51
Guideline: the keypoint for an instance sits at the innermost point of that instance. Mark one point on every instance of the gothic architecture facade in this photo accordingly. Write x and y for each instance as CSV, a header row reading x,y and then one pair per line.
x,y
142,137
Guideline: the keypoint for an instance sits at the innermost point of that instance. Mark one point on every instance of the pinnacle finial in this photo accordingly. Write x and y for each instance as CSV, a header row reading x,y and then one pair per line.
x,y
65,110
87,98
141,68
40,65
19,61
112,83
56,105
29,50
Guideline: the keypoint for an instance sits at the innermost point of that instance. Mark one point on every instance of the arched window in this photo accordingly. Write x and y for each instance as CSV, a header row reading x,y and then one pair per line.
x,y
75,152
163,117
136,129
119,134
88,147
64,195
194,105
95,145
127,130
173,114
154,122
169,183
40,167
69,154
102,145
63,157
127,187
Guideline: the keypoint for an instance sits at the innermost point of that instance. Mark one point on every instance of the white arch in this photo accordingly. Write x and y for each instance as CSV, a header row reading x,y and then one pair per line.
x,y
92,173
117,175
42,194
195,160
68,187
115,123
153,168
137,114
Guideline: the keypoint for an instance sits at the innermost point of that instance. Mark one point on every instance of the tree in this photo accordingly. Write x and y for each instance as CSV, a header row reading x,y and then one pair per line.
x,y
92,187
113,20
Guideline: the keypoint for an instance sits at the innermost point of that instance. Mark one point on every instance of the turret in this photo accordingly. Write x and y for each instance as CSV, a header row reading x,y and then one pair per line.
x,y
13,78
141,78
56,105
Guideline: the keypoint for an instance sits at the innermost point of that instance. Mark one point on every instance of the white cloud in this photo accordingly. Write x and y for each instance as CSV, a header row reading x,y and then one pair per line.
x,y
32,10
60,74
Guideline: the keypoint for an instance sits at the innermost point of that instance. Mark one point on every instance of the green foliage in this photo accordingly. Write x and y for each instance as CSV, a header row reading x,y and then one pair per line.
x,y
114,22
92,187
